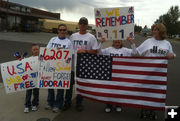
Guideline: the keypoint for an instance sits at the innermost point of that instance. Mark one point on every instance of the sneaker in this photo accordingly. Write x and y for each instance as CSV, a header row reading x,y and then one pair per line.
x,y
79,108
55,110
48,107
108,110
26,110
118,109
34,108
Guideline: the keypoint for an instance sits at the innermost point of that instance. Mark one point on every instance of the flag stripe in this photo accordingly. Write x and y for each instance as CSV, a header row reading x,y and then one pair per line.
x,y
127,105
123,92
121,96
127,84
140,64
141,60
139,102
144,77
140,68
139,81
139,72
122,88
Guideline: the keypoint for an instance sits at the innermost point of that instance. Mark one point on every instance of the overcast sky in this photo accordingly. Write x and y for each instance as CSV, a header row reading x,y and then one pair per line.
x,y
145,11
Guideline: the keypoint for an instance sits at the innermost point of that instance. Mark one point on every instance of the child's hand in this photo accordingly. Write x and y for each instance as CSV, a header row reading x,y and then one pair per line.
x,y
130,40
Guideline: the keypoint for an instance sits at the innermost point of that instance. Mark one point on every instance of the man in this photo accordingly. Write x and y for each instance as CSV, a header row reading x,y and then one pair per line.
x,y
83,42
59,42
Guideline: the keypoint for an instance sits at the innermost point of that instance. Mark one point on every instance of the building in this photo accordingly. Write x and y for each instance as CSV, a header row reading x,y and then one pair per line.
x,y
17,17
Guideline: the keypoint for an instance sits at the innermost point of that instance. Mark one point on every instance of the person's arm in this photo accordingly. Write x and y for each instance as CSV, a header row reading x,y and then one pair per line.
x,y
49,45
87,51
171,54
134,51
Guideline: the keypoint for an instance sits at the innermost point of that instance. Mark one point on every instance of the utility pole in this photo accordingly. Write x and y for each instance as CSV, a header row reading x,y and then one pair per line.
x,y
7,7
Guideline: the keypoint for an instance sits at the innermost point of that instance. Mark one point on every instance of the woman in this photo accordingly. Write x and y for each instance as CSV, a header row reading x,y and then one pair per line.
x,y
156,46
117,49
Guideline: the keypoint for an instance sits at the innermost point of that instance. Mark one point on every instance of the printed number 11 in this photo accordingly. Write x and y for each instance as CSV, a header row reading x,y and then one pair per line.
x,y
122,33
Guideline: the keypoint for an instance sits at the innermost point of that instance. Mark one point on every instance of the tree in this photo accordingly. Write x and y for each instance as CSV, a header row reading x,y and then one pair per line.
x,y
137,28
171,20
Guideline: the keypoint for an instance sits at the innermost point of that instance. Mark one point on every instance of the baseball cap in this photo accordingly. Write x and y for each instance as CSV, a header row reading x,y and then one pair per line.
x,y
83,20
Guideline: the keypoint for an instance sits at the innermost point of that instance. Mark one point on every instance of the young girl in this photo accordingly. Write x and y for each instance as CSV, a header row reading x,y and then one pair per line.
x,y
117,49
156,46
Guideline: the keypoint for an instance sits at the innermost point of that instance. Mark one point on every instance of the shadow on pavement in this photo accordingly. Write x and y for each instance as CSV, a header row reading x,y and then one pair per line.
x,y
94,111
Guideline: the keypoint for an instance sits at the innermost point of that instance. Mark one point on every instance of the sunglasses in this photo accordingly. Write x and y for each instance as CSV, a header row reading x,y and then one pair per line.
x,y
62,29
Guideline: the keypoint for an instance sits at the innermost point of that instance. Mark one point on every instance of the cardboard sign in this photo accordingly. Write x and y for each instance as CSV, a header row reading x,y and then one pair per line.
x,y
54,68
20,75
114,23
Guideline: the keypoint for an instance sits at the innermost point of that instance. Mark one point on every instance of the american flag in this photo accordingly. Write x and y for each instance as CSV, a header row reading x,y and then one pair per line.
x,y
138,82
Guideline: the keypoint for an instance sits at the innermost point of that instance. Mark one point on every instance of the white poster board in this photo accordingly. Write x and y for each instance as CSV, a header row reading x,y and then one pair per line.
x,y
114,23
54,68
20,75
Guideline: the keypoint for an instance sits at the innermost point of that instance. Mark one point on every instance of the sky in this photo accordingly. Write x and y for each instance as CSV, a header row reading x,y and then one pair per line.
x,y
145,11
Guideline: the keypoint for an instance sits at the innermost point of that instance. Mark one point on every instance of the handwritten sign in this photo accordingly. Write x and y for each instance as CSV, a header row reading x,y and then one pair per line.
x,y
114,23
20,75
54,68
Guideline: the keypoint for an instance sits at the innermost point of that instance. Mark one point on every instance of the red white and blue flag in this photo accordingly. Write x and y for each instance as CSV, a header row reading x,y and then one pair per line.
x,y
125,81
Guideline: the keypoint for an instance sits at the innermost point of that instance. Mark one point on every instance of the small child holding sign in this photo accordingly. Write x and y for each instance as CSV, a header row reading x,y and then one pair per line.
x,y
117,49
35,102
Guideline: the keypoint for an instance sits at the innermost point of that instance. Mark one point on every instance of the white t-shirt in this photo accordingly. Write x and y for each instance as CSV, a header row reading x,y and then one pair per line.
x,y
83,41
152,47
118,52
56,42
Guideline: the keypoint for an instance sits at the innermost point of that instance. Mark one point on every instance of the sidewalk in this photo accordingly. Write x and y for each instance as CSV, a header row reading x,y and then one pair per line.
x,y
12,107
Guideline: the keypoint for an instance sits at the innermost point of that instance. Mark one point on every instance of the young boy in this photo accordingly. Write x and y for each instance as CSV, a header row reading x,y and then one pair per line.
x,y
35,102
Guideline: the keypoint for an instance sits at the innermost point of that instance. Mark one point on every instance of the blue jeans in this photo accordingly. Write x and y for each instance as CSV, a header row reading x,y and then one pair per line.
x,y
68,95
35,101
58,101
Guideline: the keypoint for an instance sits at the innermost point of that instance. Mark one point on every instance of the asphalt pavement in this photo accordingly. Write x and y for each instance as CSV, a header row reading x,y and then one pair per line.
x,y
12,105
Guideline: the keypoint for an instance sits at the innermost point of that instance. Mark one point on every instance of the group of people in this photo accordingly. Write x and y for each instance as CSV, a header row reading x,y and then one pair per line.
x,y
84,42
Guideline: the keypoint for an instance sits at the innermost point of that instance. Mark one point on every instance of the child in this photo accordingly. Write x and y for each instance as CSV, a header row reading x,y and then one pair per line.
x,y
35,102
117,49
